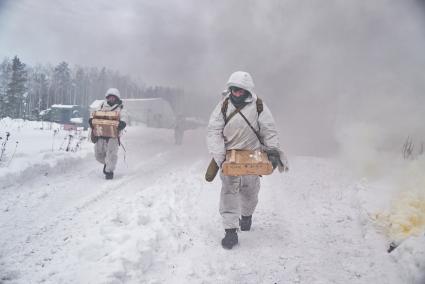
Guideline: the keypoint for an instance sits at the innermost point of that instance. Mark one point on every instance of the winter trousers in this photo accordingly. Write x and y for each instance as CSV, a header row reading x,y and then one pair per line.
x,y
239,196
106,152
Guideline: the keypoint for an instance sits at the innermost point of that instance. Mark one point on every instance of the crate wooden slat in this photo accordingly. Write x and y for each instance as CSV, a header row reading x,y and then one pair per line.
x,y
109,115
246,162
105,128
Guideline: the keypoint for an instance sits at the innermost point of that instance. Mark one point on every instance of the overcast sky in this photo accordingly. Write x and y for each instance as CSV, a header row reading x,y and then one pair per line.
x,y
318,63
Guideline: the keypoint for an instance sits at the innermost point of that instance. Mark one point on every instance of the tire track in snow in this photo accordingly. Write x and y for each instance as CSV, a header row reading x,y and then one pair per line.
x,y
142,231
62,223
163,226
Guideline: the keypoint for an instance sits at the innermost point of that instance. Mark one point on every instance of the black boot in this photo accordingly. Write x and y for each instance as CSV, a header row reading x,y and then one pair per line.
x,y
230,239
245,223
104,169
109,175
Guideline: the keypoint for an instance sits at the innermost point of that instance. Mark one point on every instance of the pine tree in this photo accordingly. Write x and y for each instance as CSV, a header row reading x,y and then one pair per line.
x,y
81,86
37,90
28,90
62,83
5,74
16,90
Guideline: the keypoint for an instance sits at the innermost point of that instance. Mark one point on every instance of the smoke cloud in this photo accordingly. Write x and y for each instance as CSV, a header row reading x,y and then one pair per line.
x,y
323,67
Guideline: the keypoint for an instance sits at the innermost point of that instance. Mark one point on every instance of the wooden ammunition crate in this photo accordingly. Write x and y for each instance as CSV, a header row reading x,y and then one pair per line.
x,y
246,162
105,127
108,115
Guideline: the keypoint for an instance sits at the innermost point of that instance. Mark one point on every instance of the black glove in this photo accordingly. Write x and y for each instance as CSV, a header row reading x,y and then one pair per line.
x,y
93,138
274,157
90,122
122,125
274,160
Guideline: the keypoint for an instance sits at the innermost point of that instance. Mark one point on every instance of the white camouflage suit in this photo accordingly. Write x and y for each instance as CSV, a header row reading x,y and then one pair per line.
x,y
106,149
239,195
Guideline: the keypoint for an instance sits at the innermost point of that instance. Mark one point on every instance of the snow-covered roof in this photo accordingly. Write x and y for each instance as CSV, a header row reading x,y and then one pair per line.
x,y
44,111
63,106
140,100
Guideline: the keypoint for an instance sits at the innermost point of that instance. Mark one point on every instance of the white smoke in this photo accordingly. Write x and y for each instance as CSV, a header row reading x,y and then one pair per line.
x,y
317,64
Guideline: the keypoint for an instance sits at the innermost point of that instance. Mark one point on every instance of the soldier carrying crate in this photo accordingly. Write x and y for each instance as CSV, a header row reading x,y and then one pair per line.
x,y
106,124
243,141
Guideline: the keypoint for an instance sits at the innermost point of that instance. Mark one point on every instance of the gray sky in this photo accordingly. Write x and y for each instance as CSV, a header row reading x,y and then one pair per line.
x,y
319,64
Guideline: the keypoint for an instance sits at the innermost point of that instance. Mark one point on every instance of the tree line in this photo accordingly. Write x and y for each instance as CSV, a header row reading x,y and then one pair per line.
x,y
26,90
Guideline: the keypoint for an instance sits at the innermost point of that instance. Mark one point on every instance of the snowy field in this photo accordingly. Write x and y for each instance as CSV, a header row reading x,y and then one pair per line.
x,y
158,220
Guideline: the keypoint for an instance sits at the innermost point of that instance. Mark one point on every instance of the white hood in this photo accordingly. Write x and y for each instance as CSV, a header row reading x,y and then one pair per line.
x,y
242,80
113,91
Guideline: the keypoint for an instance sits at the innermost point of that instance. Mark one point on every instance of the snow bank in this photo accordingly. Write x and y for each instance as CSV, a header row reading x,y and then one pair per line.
x,y
35,148
157,222
410,255
392,193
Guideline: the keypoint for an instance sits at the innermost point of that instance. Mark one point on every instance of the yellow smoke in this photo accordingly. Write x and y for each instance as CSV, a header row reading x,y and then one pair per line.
x,y
406,215
405,218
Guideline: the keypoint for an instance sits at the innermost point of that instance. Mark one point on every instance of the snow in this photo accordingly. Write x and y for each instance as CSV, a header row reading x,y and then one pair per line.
x,y
63,106
78,120
158,221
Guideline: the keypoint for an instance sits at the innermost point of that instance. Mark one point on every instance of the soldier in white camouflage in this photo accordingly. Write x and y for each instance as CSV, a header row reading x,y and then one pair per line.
x,y
106,148
239,195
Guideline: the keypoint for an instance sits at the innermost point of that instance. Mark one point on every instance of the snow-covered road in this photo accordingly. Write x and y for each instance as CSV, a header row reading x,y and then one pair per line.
x,y
158,222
